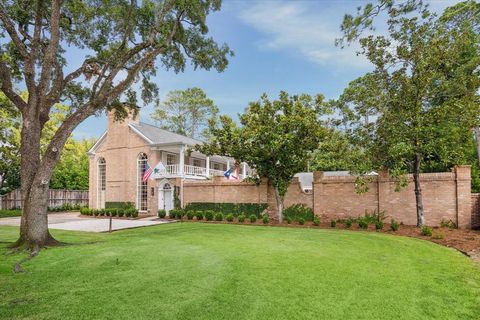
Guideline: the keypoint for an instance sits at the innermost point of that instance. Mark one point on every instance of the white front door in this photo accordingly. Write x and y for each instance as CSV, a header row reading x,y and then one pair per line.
x,y
166,198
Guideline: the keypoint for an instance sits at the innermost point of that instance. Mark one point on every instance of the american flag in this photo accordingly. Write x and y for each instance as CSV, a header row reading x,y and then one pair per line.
x,y
147,173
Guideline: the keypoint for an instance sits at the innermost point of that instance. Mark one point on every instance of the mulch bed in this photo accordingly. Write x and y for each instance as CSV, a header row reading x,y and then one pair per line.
x,y
465,241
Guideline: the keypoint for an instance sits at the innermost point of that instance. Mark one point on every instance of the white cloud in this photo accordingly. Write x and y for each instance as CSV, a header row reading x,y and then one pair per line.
x,y
303,29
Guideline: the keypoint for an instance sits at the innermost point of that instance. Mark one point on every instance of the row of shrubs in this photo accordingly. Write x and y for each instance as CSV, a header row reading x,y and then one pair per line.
x,y
211,215
111,212
235,209
65,207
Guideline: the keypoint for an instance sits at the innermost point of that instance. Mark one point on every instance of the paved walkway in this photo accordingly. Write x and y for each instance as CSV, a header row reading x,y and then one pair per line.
x,y
72,221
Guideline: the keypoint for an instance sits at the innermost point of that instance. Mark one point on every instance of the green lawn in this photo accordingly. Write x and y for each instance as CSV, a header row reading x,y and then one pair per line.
x,y
208,271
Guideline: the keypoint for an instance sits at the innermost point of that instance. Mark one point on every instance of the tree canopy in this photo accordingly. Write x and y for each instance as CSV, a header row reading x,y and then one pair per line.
x,y
186,112
275,138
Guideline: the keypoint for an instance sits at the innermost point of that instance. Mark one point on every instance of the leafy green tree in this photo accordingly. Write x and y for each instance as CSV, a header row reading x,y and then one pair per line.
x,y
186,112
120,42
275,138
9,143
424,102
71,172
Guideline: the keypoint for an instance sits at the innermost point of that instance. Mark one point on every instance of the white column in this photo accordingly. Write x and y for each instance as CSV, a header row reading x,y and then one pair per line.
x,y
207,166
228,164
181,163
244,170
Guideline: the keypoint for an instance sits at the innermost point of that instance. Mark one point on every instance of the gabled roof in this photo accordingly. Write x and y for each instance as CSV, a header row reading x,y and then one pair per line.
x,y
155,135
97,144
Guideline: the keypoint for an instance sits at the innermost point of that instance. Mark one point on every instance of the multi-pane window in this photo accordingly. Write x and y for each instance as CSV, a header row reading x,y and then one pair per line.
x,y
142,187
101,183
171,159
197,162
216,166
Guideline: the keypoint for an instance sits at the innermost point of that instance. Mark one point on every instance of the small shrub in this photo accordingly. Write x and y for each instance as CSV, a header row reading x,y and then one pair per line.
x,y
162,213
241,218
394,225
379,225
128,213
333,223
102,212
218,216
301,221
298,211
448,224
363,223
253,218
316,220
426,231
199,215
229,217
121,212
348,223
134,213
190,215
265,219
209,215
438,235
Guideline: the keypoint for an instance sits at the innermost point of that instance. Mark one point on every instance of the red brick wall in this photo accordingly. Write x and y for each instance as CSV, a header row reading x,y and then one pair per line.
x,y
446,196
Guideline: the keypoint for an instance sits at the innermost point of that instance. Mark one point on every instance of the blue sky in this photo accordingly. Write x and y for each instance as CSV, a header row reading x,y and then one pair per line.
x,y
278,45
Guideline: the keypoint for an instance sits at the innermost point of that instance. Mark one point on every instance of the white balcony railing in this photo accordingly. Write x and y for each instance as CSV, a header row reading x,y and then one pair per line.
x,y
188,170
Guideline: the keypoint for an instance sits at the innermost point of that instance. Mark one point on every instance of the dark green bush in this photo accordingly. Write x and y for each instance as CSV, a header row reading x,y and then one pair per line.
x,y
241,218
176,213
333,223
363,223
199,215
289,220
190,215
218,216
226,208
229,217
427,231
316,220
162,213
265,219
209,214
134,213
121,212
119,205
394,225
253,218
298,211
348,223
301,221
128,213
379,225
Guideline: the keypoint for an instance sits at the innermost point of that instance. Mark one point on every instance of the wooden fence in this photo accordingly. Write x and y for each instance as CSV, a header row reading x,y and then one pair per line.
x,y
56,198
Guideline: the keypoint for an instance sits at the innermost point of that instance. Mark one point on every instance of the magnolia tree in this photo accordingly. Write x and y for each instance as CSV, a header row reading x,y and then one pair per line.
x,y
421,102
275,138
117,43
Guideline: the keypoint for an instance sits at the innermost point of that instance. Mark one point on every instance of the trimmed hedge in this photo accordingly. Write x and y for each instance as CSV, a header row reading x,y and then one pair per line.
x,y
119,205
226,208
298,211
10,213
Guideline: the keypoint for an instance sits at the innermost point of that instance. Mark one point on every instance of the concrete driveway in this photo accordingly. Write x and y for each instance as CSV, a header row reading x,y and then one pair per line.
x,y
73,221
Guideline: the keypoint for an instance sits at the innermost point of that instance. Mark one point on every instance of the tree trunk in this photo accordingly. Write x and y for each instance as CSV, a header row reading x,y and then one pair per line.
x,y
279,200
34,232
477,140
418,192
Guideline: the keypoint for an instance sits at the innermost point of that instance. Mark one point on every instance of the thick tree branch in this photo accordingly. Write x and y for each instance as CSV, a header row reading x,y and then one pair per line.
x,y
51,51
10,27
7,88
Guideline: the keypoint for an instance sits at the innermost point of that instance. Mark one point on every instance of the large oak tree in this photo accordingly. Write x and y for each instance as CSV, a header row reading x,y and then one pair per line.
x,y
118,43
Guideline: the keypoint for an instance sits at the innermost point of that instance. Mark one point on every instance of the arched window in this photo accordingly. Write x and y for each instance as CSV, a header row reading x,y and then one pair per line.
x,y
142,188
101,183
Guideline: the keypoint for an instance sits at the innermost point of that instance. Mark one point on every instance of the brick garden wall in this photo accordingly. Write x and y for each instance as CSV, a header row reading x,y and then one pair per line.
x,y
446,196
476,210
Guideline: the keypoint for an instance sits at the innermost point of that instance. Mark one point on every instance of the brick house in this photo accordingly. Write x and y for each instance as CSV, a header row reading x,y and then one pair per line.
x,y
119,158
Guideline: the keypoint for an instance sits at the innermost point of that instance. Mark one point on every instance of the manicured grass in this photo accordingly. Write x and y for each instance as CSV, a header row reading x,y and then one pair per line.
x,y
208,271
10,213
